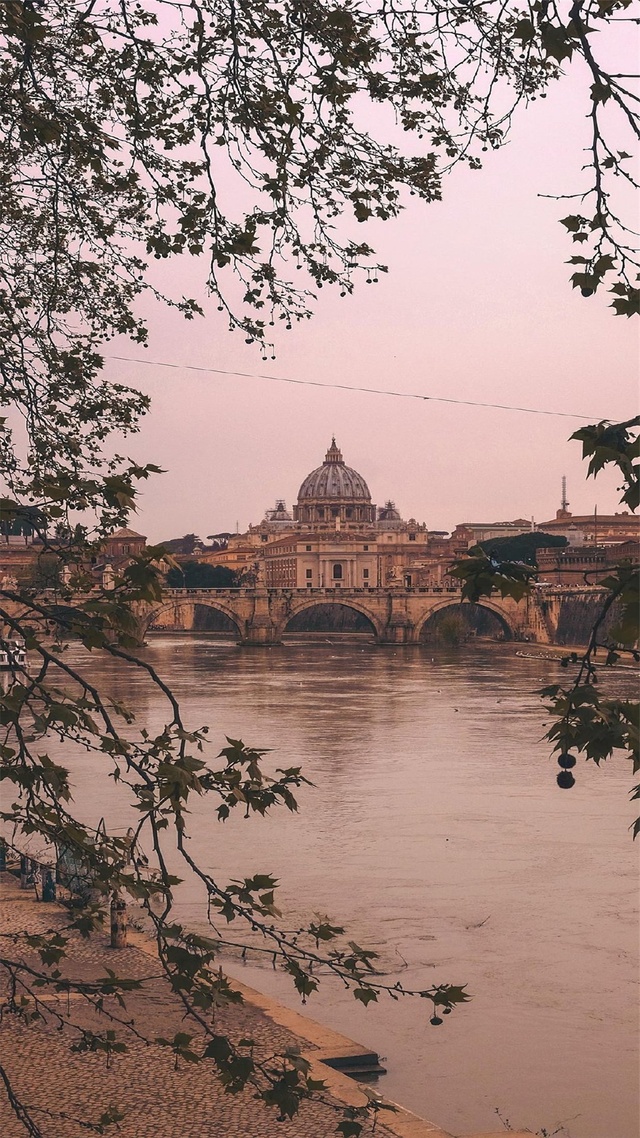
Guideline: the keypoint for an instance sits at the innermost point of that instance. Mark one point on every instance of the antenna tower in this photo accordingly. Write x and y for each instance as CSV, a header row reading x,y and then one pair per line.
x,y
564,503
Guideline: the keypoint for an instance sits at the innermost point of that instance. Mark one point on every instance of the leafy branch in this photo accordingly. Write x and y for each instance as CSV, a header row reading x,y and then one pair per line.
x,y
236,134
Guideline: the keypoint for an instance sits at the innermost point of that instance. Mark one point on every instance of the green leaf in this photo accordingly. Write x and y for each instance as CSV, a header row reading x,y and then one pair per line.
x,y
219,1048
365,995
524,30
556,41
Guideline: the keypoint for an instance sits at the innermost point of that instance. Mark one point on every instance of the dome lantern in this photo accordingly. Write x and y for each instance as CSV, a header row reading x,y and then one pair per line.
x,y
334,454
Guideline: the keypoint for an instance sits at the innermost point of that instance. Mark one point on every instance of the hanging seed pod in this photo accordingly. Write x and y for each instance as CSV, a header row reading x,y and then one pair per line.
x,y
565,780
566,761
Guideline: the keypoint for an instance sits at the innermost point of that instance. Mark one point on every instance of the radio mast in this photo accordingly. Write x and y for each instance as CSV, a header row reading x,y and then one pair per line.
x,y
564,503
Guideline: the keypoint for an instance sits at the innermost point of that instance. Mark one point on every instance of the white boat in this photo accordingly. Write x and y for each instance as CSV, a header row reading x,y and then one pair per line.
x,y
13,655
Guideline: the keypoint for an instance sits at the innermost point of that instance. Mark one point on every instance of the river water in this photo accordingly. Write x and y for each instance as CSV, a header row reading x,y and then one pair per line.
x,y
435,830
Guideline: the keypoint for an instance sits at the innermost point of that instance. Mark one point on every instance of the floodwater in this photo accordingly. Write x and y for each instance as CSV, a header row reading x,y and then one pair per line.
x,y
436,832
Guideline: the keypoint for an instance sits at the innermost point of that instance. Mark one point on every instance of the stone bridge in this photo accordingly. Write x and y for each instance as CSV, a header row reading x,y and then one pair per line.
x,y
549,615
395,616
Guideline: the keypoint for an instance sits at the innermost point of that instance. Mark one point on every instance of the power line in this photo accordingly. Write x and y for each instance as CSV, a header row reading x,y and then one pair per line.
x,y
368,390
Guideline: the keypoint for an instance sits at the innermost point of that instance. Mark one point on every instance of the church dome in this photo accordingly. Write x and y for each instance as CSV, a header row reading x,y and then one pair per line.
x,y
388,512
334,481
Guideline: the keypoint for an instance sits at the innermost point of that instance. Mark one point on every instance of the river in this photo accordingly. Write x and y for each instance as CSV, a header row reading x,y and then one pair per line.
x,y
435,830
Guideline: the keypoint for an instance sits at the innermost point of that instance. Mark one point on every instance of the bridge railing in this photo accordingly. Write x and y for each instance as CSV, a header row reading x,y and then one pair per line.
x,y
241,591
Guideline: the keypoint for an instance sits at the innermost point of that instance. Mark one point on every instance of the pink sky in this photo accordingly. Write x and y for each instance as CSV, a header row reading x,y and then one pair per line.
x,y
476,305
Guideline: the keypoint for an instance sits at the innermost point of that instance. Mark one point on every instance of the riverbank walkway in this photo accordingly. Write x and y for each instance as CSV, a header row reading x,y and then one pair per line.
x,y
62,1088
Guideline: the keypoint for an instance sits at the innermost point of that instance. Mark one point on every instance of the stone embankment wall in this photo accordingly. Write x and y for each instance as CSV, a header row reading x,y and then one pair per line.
x,y
569,616
576,619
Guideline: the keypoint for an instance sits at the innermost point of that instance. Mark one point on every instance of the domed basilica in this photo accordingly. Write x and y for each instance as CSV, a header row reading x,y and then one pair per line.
x,y
335,537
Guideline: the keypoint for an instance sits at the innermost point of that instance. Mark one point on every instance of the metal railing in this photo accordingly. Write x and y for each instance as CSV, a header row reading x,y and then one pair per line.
x,y
45,877
61,865
33,872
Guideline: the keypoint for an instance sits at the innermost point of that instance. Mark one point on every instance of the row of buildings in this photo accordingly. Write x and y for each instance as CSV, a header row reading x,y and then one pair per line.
x,y
335,537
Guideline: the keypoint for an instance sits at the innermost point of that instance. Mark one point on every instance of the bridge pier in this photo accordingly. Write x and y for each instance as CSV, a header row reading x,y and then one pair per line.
x,y
400,628
399,632
260,633
261,629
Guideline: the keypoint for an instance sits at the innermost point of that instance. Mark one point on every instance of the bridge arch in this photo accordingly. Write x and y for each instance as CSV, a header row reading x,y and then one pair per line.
x,y
315,609
230,621
465,610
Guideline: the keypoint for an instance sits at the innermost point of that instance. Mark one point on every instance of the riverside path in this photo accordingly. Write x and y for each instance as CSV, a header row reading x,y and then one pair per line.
x,y
65,1092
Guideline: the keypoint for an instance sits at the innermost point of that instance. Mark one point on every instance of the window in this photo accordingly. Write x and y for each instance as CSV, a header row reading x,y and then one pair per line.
x,y
365,573
349,512
337,572
335,511
412,537
263,537
309,573
366,548
308,548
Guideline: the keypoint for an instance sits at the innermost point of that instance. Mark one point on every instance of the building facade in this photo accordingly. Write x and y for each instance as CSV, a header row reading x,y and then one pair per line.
x,y
322,561
584,564
472,533
593,529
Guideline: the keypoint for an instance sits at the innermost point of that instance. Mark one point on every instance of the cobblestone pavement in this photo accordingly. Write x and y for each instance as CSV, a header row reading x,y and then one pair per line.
x,y
158,1100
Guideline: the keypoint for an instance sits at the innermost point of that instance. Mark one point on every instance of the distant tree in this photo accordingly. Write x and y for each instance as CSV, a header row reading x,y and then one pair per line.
x,y
45,572
186,544
451,630
199,575
522,547
219,540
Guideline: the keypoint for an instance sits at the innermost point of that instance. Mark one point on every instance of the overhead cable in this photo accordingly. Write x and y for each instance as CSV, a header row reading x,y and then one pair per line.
x,y
351,387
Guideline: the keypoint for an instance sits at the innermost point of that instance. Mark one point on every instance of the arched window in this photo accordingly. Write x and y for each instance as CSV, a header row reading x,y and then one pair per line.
x,y
337,572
